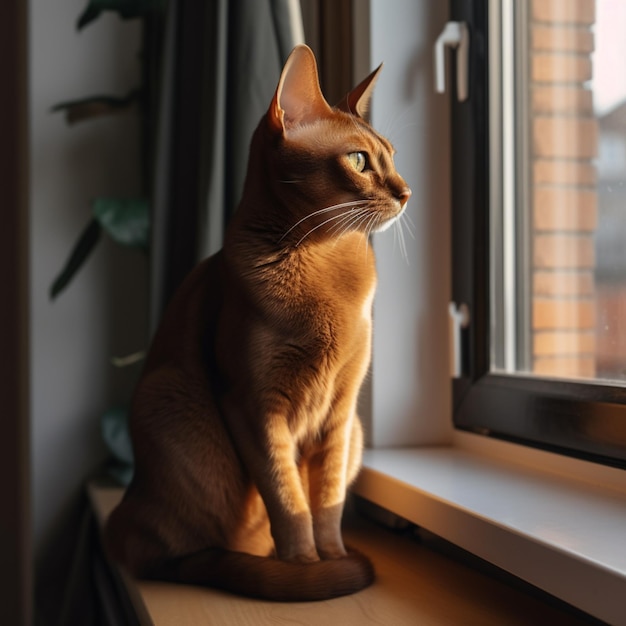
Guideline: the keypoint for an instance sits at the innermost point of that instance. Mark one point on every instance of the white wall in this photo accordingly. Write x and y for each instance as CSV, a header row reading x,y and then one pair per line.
x,y
410,382
102,312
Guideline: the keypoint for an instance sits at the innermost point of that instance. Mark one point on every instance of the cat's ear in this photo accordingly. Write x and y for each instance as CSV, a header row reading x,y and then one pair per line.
x,y
298,98
357,101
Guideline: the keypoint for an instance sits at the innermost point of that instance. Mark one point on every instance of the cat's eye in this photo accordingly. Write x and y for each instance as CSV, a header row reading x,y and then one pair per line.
x,y
357,160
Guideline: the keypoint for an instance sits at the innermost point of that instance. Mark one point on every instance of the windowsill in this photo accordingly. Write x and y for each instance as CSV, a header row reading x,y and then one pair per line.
x,y
564,535
415,585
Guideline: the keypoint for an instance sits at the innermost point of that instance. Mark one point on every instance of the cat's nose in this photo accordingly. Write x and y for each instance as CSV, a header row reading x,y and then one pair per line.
x,y
404,195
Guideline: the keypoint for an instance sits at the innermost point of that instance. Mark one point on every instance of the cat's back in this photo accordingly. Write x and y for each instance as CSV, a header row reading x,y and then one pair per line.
x,y
185,332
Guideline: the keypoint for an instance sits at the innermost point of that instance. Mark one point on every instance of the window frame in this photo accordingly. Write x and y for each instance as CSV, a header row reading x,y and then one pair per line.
x,y
16,546
579,419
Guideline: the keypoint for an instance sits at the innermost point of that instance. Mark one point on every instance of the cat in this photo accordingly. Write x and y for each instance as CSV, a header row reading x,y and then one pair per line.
x,y
244,422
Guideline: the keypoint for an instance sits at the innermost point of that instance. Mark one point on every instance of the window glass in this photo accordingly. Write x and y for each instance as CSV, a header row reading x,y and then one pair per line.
x,y
558,212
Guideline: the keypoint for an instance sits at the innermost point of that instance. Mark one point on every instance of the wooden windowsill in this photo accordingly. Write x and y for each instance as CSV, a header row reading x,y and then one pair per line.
x,y
415,585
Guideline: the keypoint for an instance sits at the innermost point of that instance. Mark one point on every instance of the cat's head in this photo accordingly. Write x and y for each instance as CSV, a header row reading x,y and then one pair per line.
x,y
330,172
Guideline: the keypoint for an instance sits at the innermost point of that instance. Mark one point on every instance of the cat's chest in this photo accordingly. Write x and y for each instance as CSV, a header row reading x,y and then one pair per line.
x,y
335,313
320,289
324,312
343,276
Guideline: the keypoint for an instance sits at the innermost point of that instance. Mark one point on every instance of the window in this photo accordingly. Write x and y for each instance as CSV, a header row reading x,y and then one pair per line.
x,y
539,225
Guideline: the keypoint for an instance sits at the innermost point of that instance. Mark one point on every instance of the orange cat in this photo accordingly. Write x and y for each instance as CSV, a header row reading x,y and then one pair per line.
x,y
244,423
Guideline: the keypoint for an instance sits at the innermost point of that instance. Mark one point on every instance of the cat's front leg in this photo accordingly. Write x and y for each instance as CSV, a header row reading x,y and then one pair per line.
x,y
330,472
278,481
269,452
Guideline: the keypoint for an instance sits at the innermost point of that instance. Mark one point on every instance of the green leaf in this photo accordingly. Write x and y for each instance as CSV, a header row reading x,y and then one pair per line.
x,y
82,249
127,221
95,106
116,436
114,428
126,8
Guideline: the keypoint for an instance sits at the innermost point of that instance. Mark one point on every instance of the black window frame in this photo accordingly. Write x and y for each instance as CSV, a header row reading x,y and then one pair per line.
x,y
581,419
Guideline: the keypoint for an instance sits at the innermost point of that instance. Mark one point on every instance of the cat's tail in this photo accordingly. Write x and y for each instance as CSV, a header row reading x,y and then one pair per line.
x,y
268,578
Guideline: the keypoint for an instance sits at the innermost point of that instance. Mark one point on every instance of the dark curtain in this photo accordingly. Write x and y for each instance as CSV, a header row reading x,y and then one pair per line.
x,y
221,63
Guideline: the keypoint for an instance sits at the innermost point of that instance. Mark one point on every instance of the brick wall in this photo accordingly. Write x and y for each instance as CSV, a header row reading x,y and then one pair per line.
x,y
564,140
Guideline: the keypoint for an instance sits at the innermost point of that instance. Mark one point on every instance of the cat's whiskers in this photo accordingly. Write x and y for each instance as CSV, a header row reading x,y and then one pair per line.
x,y
354,222
401,241
367,221
366,218
399,227
334,207
410,224
370,228
312,230
347,223
395,238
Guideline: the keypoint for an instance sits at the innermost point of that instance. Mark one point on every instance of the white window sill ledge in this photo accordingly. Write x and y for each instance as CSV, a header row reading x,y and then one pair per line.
x,y
564,535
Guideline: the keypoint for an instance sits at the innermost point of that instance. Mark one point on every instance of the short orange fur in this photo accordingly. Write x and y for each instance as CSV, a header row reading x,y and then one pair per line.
x,y
244,422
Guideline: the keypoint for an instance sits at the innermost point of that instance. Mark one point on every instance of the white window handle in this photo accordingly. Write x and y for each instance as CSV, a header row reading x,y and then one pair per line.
x,y
459,319
454,35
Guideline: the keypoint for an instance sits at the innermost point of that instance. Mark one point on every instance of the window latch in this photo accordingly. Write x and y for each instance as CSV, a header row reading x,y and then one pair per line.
x,y
459,319
454,35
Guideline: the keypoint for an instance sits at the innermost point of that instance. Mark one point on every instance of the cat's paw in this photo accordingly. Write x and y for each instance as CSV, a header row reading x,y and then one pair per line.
x,y
297,556
331,552
302,558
